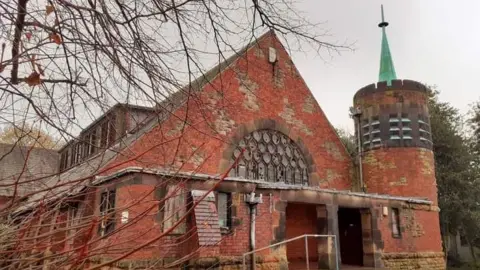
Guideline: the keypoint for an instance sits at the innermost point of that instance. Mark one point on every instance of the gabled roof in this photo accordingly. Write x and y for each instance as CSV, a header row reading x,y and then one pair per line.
x,y
78,177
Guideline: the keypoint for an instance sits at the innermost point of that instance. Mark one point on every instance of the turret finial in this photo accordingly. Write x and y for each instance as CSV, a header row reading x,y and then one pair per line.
x,y
387,70
383,23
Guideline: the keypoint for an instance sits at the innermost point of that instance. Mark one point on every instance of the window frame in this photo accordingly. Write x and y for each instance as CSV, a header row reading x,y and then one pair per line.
x,y
228,218
268,148
170,213
395,222
107,204
463,240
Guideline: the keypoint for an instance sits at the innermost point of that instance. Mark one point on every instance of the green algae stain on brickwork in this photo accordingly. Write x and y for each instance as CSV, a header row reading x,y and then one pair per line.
x,y
288,114
176,130
372,160
249,88
332,175
426,158
334,150
309,105
401,182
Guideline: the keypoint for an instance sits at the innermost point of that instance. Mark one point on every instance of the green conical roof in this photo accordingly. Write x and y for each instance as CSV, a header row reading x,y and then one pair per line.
x,y
387,70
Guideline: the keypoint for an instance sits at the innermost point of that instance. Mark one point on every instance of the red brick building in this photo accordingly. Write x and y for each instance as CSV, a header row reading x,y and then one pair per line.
x,y
145,186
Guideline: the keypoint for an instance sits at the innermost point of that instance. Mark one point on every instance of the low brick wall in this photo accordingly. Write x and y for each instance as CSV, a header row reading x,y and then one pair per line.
x,y
404,261
213,263
235,263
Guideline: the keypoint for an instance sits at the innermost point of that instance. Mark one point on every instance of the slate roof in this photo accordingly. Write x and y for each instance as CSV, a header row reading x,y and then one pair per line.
x,y
14,165
78,177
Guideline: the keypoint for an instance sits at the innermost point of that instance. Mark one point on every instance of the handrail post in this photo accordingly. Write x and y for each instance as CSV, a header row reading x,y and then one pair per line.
x,y
336,251
306,252
306,247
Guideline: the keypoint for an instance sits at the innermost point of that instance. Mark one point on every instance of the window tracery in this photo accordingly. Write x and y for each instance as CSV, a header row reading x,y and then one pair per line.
x,y
270,156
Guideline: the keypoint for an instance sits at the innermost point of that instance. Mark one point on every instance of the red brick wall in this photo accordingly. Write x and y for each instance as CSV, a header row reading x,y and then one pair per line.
x,y
301,219
408,172
391,97
421,232
237,243
142,226
225,105
139,201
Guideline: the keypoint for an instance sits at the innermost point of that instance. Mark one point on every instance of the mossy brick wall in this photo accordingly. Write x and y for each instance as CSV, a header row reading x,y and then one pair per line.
x,y
250,94
408,172
420,232
403,261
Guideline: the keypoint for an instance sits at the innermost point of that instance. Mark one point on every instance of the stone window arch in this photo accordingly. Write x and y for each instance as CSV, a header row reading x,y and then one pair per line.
x,y
270,156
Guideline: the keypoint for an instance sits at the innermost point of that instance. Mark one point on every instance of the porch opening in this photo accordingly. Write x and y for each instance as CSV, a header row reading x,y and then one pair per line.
x,y
301,219
350,234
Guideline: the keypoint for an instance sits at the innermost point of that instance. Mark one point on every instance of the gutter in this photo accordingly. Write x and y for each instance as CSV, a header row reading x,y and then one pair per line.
x,y
260,184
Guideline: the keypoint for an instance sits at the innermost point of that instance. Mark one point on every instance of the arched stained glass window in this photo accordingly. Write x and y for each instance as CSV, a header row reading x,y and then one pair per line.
x,y
270,156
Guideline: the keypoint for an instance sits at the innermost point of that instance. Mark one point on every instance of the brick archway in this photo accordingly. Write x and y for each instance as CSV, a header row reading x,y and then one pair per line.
x,y
258,124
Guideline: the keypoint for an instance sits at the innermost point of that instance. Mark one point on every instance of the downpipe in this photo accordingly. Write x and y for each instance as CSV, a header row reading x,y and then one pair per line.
x,y
252,202
356,113
253,213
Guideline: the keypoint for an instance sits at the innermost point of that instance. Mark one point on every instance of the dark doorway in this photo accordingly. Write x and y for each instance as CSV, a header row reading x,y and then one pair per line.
x,y
350,231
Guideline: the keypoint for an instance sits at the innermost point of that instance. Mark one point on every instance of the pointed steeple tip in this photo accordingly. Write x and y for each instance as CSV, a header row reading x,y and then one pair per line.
x,y
387,70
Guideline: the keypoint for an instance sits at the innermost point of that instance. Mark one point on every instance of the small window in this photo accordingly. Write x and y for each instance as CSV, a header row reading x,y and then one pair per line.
x,y
93,142
224,206
393,115
424,128
407,134
107,212
463,240
365,122
395,132
394,124
71,214
85,148
67,158
103,134
79,150
174,210
72,220
396,223
111,131
63,164
72,155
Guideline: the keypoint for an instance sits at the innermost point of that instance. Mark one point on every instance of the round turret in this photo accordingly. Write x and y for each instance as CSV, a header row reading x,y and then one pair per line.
x,y
394,129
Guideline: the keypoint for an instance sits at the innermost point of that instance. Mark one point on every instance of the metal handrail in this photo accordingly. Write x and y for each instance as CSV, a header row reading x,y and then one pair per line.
x,y
306,248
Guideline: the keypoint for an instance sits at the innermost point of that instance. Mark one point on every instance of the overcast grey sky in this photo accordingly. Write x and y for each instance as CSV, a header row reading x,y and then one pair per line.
x,y
435,42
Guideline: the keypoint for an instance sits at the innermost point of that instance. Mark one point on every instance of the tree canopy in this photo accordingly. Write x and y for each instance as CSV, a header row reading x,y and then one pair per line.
x,y
26,135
